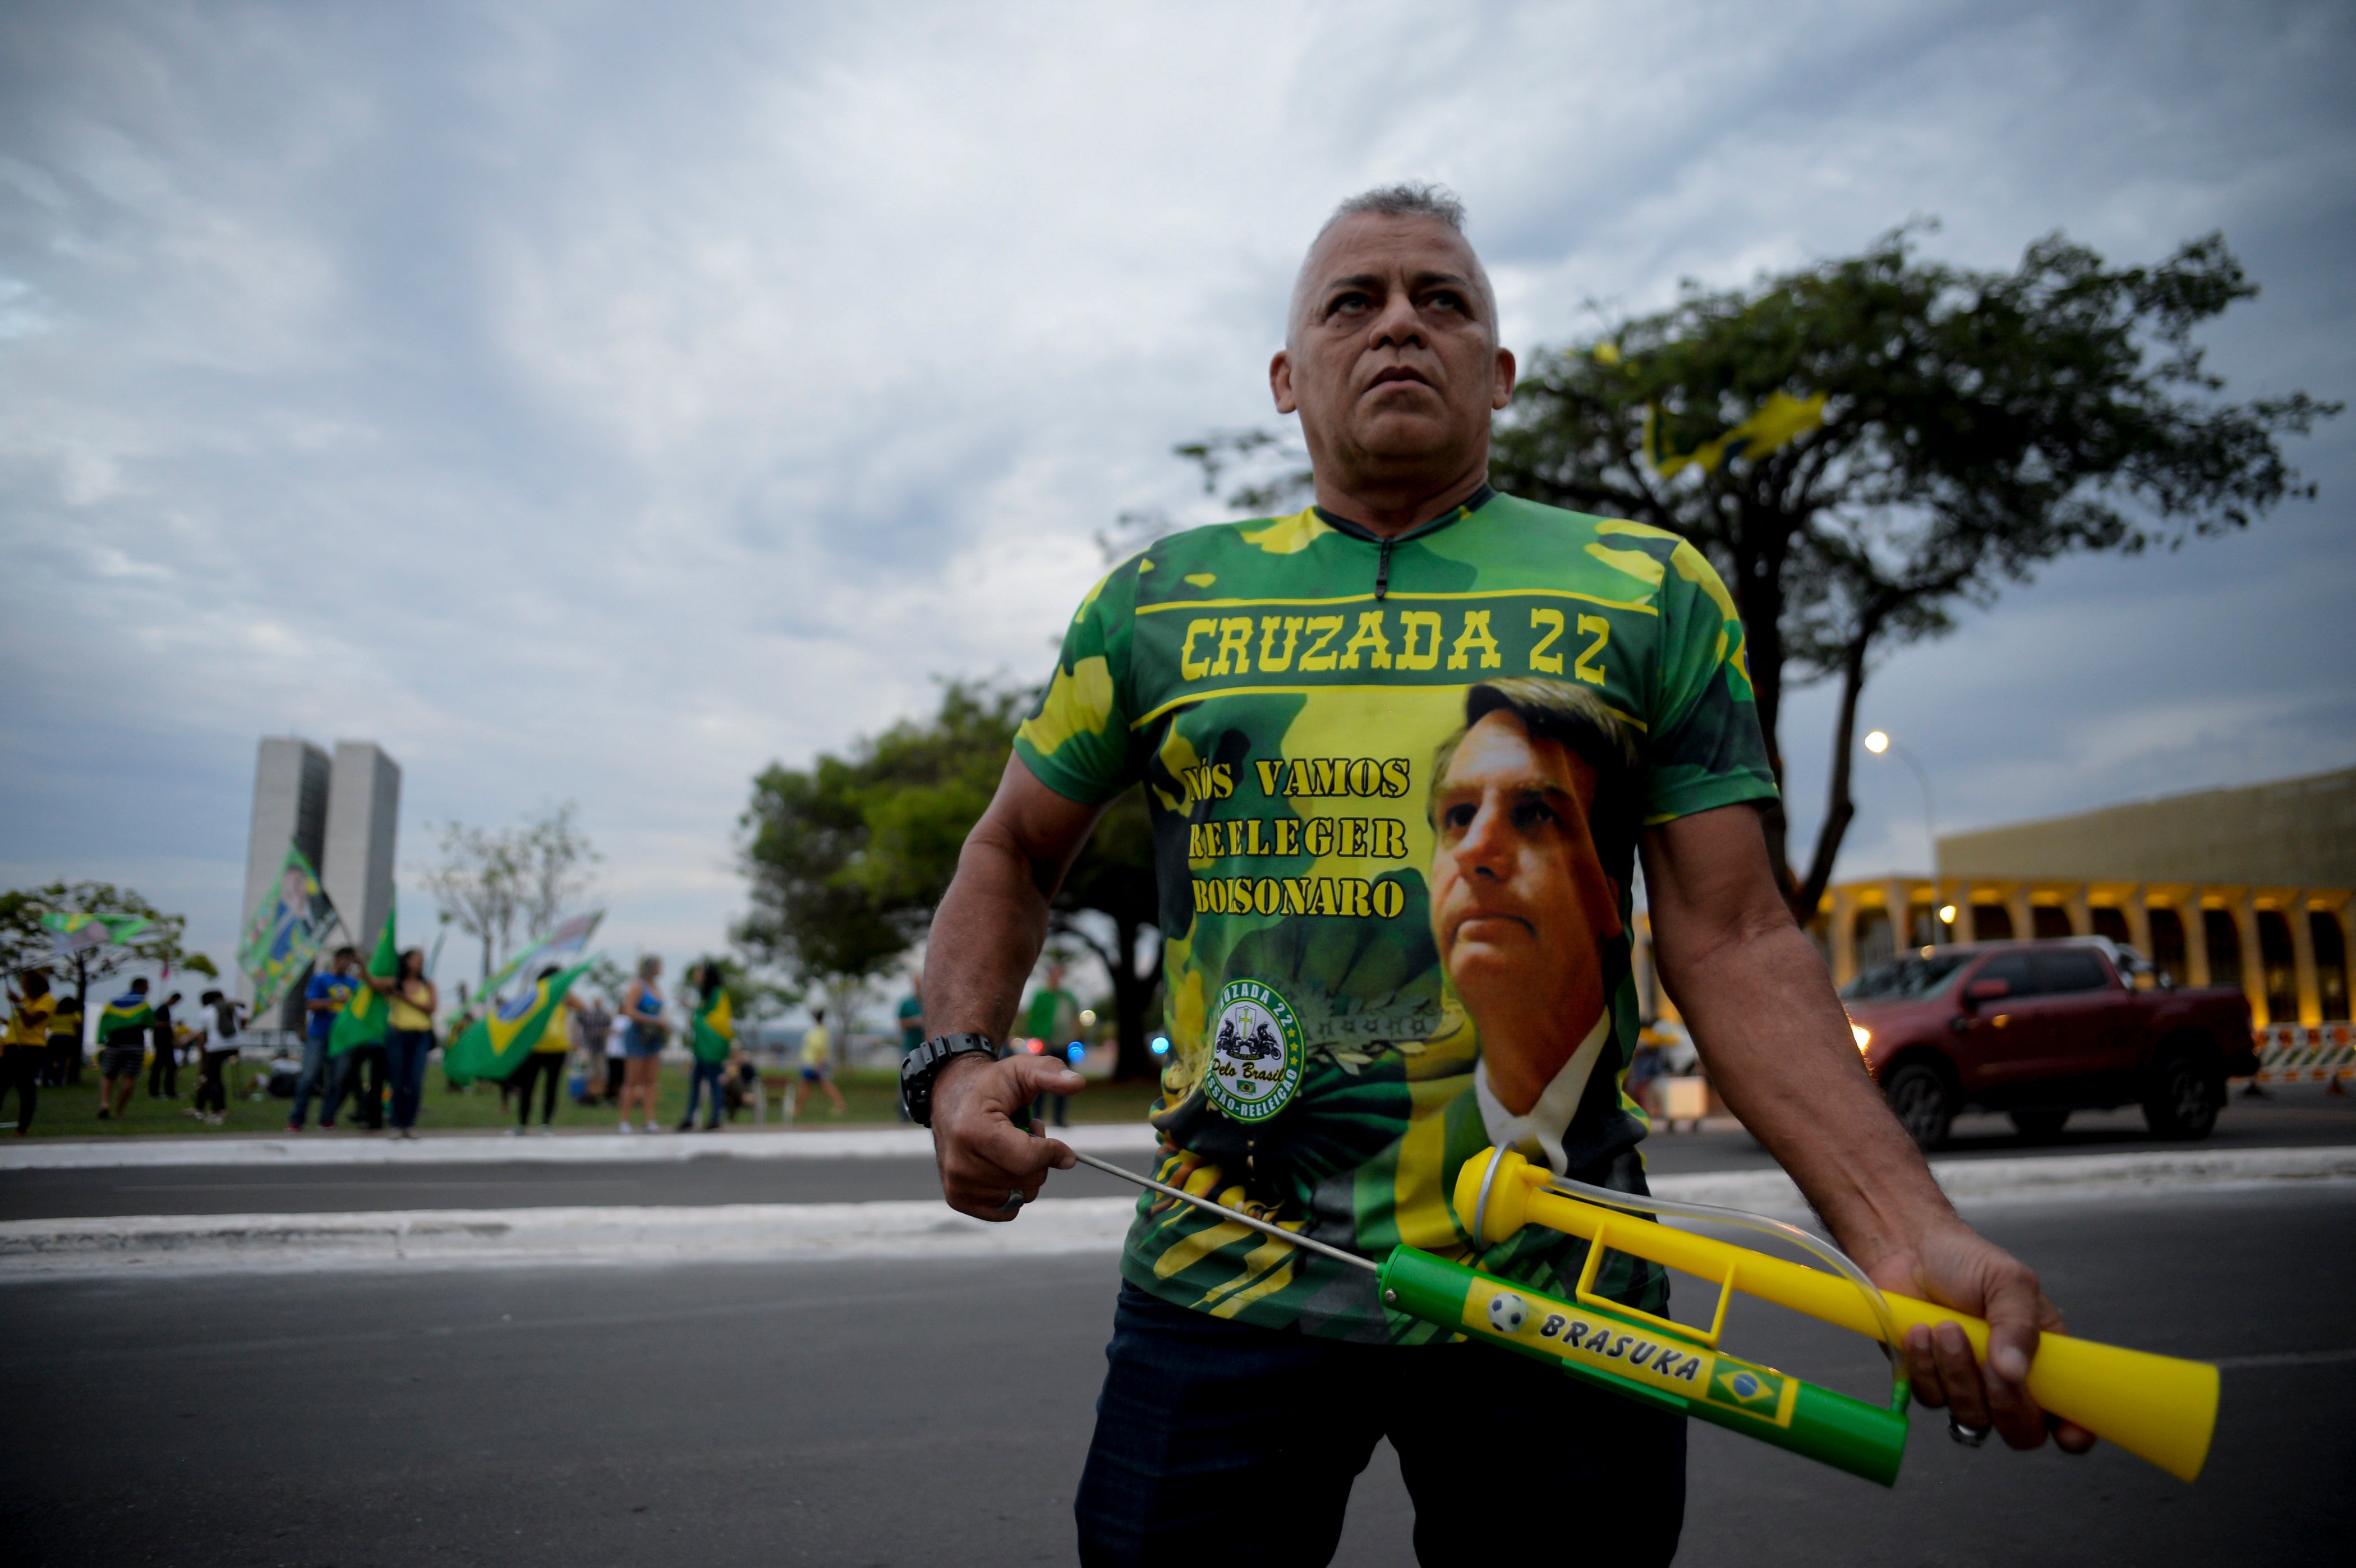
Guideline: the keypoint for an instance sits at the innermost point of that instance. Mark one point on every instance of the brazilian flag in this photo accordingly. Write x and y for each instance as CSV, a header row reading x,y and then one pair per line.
x,y
496,1045
362,1021
715,1027
125,1015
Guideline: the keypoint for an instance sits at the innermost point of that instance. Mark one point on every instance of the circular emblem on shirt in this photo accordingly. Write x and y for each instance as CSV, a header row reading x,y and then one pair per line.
x,y
1255,1052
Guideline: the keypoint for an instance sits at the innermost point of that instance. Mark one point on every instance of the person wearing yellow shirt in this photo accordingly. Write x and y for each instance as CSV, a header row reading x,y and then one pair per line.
x,y
410,1000
27,1046
546,1061
817,1064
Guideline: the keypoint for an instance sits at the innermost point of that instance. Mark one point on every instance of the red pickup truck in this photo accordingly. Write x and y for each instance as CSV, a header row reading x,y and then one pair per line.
x,y
2042,1028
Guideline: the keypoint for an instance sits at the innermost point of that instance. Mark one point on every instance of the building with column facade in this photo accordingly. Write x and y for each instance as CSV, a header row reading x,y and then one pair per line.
x,y
2250,886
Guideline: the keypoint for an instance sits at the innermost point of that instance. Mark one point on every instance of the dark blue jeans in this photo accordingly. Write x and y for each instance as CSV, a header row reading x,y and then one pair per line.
x,y
706,1077
1217,1442
404,1058
311,1080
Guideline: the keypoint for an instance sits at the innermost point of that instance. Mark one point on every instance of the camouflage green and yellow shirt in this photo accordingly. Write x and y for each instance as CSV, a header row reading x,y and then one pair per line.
x,y
1280,687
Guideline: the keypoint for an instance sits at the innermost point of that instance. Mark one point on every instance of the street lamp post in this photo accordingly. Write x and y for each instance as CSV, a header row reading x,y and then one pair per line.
x,y
1879,743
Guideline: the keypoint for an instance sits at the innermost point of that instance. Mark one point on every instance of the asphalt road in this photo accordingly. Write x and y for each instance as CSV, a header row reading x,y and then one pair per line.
x,y
2292,1117
937,1412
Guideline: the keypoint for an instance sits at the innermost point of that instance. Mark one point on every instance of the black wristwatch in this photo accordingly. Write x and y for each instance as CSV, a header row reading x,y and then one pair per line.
x,y
919,1066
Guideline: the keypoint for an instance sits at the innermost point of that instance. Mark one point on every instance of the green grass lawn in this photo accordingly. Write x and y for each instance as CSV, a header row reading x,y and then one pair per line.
x,y
870,1096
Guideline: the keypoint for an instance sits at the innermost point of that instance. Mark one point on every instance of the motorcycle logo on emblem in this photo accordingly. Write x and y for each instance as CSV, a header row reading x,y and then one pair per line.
x,y
1257,1054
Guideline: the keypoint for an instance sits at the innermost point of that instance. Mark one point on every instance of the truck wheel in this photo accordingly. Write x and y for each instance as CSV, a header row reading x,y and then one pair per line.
x,y
1920,1098
2039,1124
2182,1097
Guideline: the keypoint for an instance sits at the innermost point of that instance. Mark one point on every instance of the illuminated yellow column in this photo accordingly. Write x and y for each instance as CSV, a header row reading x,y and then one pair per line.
x,y
2138,920
2302,946
2082,916
2023,912
2192,914
2253,964
1901,916
1844,936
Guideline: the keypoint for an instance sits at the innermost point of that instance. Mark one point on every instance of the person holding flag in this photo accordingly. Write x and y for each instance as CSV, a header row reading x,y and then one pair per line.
x,y
324,995
713,1037
410,1000
357,1041
545,1059
123,1049
518,1038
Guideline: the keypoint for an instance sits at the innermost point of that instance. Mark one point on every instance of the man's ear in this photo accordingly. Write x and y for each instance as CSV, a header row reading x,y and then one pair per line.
x,y
1502,392
1280,381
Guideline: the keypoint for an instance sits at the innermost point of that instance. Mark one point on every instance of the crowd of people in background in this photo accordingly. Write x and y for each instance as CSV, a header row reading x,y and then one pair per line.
x,y
41,1047
599,1053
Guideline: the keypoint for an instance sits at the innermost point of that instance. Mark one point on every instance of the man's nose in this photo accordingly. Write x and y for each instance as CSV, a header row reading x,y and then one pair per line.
x,y
1397,324
1486,845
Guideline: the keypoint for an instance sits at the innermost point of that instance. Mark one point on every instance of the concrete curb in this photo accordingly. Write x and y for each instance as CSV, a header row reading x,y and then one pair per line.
x,y
581,1148
161,1245
2047,1178
760,1232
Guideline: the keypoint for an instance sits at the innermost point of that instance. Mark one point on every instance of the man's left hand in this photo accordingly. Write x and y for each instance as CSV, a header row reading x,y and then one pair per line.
x,y
1954,1265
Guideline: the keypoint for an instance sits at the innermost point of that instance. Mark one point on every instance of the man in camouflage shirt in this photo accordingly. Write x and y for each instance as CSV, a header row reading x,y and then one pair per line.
x,y
1402,751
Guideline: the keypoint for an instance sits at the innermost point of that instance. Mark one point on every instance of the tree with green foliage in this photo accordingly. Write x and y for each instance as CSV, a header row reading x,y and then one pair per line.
x,y
26,943
848,858
1860,446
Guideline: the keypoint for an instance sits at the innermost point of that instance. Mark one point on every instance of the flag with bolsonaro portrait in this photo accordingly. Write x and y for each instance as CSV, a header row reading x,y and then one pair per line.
x,y
289,927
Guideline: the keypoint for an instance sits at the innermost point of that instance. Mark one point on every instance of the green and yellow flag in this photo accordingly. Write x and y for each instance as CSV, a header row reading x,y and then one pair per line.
x,y
124,1014
362,1021
715,1027
496,1045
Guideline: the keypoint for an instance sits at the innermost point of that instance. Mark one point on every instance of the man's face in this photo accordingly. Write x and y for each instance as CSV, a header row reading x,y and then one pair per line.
x,y
346,963
1394,365
1518,897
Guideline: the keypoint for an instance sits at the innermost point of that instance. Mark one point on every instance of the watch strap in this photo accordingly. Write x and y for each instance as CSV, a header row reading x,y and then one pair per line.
x,y
919,1066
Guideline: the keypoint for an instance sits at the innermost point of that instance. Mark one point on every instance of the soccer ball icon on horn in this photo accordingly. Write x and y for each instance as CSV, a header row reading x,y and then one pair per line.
x,y
1507,1312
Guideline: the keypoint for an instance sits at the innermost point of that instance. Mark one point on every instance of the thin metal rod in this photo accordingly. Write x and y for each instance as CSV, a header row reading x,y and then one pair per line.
x,y
1224,1212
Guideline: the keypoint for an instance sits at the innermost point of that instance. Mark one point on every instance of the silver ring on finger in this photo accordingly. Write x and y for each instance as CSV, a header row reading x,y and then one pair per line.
x,y
1968,1437
1015,1200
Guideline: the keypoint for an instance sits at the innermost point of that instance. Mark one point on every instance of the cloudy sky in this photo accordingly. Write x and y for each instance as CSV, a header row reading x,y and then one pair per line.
x,y
598,402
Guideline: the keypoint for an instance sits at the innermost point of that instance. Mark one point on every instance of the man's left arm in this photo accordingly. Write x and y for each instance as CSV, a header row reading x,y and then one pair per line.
x,y
1768,1023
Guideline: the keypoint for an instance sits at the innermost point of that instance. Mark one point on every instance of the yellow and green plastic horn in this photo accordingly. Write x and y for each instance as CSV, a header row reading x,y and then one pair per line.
x,y
2156,1407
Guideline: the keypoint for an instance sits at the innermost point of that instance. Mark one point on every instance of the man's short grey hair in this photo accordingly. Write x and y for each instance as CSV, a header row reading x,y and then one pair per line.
x,y
1409,199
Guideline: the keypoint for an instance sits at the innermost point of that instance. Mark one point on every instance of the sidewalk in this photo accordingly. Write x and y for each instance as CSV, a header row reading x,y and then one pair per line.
x,y
497,1148
167,1245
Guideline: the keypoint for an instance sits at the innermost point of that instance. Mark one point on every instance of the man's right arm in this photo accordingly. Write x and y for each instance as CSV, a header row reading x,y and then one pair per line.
x,y
986,936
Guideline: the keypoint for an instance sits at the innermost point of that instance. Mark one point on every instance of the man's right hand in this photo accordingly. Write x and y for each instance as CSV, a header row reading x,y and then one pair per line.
x,y
982,1154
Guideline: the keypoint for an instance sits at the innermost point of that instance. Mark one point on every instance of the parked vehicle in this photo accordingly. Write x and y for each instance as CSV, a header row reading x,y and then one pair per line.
x,y
2040,1029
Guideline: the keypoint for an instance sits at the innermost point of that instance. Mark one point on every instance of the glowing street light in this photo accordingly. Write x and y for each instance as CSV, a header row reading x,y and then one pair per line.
x,y
1946,913
1878,744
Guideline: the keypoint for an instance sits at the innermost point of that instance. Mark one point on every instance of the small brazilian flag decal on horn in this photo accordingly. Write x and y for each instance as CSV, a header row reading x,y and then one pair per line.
x,y
1747,1387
